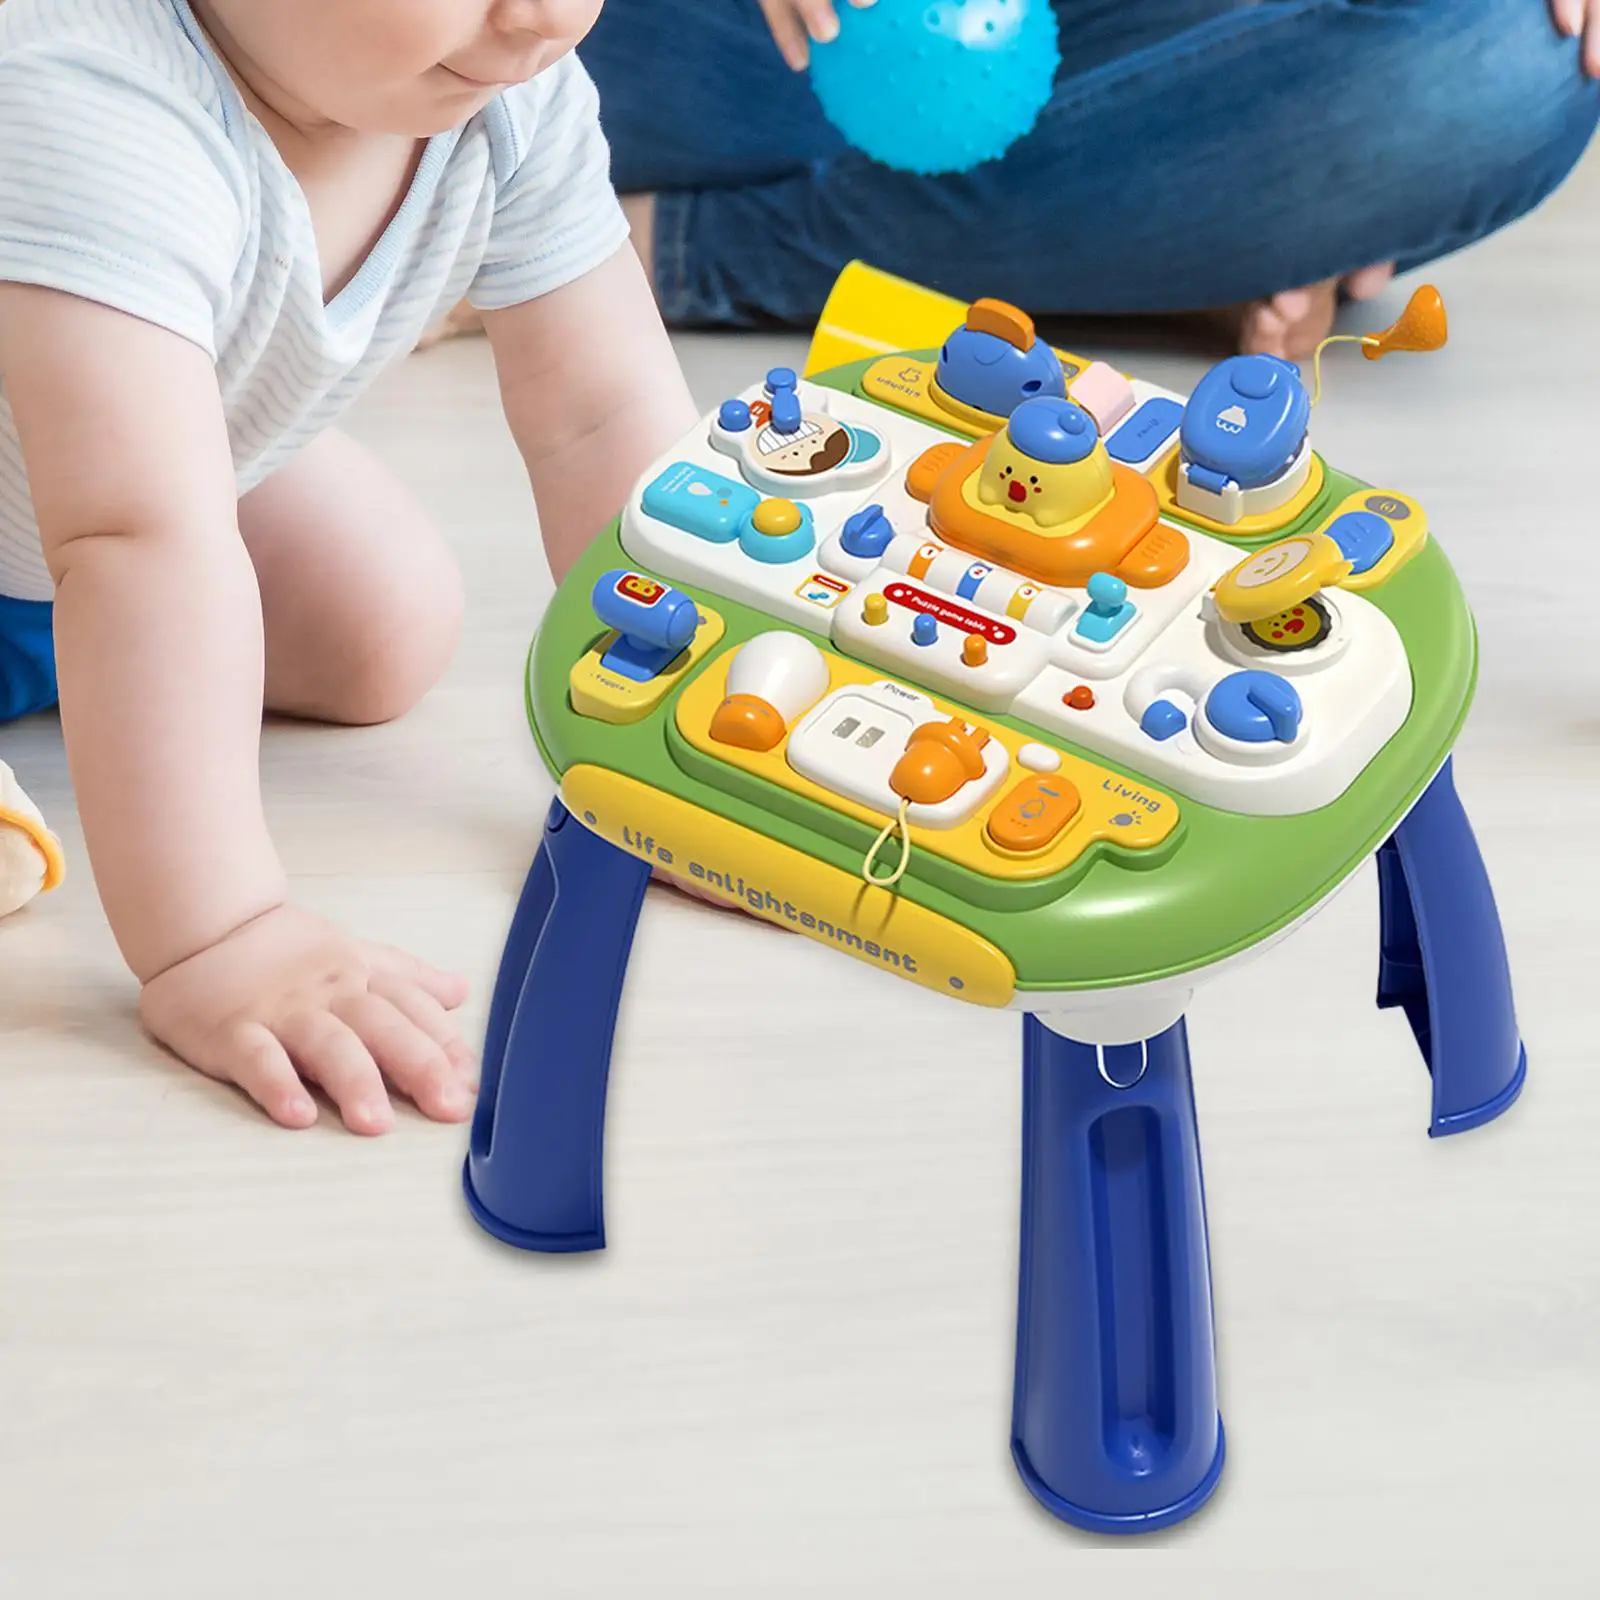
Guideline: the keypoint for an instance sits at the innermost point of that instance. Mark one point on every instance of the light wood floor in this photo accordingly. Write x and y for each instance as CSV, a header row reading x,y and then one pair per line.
x,y
240,1362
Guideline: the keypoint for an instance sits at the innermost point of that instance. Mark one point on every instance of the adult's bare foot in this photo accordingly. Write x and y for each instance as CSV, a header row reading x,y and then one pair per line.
x,y
1294,322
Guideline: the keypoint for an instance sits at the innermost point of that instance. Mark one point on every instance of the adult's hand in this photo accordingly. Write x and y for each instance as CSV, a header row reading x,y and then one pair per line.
x,y
795,23
1580,19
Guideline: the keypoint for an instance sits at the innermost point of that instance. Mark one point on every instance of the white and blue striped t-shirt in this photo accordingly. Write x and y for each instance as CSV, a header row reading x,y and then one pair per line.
x,y
132,174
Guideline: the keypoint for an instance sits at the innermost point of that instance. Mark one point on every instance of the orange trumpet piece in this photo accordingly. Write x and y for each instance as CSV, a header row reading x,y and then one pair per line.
x,y
1422,326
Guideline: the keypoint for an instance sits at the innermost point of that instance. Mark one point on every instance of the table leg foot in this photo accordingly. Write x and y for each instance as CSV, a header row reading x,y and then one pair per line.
x,y
1443,961
533,1170
1114,1425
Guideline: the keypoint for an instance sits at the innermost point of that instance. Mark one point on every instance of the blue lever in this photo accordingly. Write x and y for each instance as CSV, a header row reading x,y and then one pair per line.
x,y
654,621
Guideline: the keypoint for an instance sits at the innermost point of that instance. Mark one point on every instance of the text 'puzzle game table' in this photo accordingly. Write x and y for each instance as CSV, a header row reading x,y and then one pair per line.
x,y
1044,689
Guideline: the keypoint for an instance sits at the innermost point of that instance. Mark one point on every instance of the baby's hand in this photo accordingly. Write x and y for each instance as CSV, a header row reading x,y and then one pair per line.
x,y
288,998
1580,19
795,23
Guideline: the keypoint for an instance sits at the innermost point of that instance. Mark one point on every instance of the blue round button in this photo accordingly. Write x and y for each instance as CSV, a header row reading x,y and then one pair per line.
x,y
781,378
1255,708
1255,377
924,630
1056,432
1162,720
734,417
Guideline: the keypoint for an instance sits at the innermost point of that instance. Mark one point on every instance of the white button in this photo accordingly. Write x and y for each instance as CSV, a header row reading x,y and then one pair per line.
x,y
1039,758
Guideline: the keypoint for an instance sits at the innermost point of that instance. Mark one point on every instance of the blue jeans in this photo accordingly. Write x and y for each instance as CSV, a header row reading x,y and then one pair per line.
x,y
1196,153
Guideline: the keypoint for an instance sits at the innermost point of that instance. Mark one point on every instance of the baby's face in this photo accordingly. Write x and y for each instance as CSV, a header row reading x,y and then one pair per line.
x,y
394,66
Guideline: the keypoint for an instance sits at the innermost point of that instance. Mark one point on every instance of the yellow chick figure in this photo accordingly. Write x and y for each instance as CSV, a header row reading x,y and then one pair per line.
x,y
1048,465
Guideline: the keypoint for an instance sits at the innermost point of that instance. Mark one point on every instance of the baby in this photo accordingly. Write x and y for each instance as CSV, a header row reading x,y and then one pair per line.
x,y
219,221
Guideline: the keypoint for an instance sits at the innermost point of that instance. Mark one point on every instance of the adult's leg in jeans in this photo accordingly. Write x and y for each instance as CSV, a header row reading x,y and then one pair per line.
x,y
1259,147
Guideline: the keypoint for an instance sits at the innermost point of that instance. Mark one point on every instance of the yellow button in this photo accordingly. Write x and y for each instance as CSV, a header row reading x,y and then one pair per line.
x,y
975,650
875,612
1032,816
775,518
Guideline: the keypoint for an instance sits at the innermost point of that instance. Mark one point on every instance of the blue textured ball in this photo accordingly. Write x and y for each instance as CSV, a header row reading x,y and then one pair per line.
x,y
935,86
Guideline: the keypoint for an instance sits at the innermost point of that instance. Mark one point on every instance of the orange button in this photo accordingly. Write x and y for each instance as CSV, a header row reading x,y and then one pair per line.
x,y
1032,816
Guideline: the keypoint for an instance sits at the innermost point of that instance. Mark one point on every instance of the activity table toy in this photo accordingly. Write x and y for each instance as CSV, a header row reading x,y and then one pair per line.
x,y
1043,688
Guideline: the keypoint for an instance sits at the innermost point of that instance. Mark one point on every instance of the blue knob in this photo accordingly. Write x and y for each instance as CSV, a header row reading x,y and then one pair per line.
x,y
868,533
924,630
1255,708
734,416
781,378
1107,594
786,413
1163,720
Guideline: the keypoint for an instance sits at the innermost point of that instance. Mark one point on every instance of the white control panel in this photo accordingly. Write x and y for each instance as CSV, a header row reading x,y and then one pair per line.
x,y
1151,678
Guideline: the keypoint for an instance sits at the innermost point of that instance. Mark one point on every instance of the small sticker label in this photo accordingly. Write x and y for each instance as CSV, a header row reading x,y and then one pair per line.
x,y
946,611
641,590
1389,507
821,590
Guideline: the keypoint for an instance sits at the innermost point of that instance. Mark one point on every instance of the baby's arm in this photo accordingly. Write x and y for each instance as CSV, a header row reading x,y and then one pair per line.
x,y
593,393
159,646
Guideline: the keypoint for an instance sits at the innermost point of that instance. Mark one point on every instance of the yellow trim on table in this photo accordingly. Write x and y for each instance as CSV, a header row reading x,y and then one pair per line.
x,y
726,860
609,697
55,863
873,313
1104,794
1165,477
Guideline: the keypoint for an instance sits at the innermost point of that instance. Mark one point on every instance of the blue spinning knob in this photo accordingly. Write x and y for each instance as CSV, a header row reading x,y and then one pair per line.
x,y
1255,708
939,87
868,533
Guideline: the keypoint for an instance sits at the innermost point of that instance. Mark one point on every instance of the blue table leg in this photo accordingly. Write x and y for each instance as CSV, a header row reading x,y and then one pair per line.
x,y
533,1172
1114,1424
1443,961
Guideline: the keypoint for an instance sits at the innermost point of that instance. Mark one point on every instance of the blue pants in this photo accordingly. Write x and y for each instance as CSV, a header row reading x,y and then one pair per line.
x,y
27,658
1197,153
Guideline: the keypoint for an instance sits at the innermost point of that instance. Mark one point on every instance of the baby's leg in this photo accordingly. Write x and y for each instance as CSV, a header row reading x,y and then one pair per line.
x,y
360,596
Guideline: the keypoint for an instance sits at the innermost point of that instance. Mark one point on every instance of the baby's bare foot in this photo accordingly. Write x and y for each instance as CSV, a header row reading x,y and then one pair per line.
x,y
1294,322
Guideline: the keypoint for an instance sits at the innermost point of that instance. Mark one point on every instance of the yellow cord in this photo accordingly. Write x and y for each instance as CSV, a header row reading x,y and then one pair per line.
x,y
1316,360
898,825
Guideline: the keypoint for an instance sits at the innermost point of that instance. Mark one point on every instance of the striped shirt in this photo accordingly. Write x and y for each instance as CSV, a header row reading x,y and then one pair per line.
x,y
132,174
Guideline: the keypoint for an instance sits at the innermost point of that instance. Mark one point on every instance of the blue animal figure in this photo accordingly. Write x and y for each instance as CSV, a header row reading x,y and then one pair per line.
x,y
995,361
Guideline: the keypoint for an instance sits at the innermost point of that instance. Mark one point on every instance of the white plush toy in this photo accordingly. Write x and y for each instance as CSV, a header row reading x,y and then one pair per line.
x,y
30,854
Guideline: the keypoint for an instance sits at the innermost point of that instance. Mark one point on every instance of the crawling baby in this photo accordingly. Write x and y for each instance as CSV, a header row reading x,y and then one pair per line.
x,y
220,220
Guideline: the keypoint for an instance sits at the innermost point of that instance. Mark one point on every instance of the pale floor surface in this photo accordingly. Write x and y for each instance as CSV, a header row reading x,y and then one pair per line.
x,y
240,1362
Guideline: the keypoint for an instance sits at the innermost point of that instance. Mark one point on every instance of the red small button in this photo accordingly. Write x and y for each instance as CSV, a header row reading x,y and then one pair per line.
x,y
1081,698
